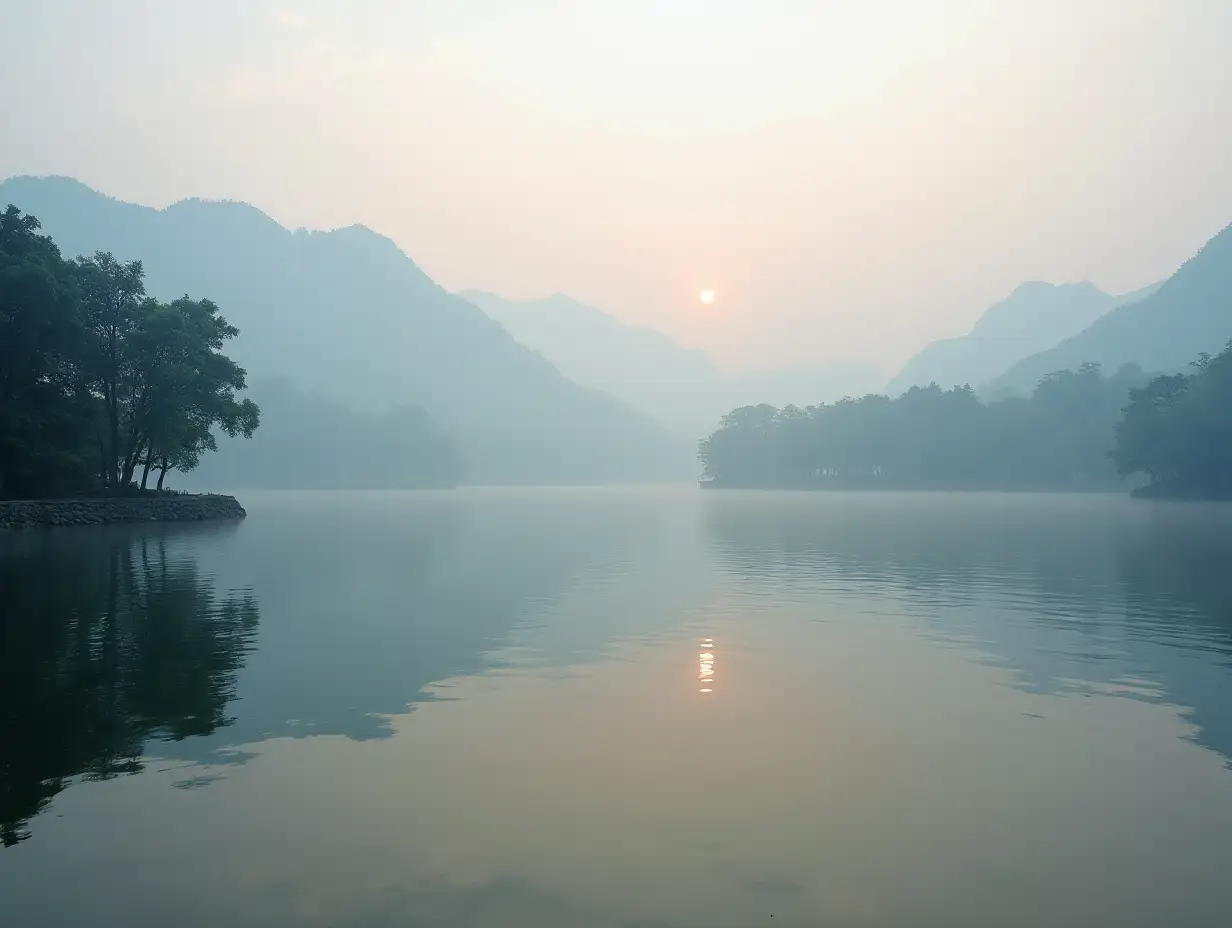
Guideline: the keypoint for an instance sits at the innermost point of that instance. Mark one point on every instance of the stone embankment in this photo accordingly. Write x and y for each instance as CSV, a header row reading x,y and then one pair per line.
x,y
101,510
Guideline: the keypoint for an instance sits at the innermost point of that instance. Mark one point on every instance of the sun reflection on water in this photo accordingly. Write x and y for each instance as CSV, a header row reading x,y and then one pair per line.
x,y
705,665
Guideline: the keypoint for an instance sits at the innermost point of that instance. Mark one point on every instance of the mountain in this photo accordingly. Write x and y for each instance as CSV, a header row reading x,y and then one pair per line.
x,y
347,314
1035,316
1189,313
309,441
642,366
653,373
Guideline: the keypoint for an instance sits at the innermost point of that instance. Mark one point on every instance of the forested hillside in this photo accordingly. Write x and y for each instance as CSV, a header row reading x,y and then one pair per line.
x,y
348,315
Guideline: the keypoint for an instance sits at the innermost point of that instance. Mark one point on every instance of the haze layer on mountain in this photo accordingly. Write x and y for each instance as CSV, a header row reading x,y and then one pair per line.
x,y
1034,317
680,387
1189,313
853,180
345,313
308,441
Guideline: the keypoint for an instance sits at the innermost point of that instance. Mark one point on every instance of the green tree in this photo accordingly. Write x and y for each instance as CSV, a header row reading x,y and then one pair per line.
x,y
161,374
1178,431
1060,438
44,415
93,369
112,304
182,388
1147,437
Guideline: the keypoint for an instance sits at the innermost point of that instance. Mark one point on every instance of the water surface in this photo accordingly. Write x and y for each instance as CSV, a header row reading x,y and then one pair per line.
x,y
622,708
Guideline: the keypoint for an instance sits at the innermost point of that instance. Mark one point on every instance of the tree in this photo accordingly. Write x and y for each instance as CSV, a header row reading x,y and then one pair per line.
x,y
1178,431
182,388
160,370
181,448
44,417
112,303
1146,439
1060,438
91,367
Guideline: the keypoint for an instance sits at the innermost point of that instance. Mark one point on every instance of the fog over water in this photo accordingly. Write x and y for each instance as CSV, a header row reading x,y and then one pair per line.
x,y
620,707
641,464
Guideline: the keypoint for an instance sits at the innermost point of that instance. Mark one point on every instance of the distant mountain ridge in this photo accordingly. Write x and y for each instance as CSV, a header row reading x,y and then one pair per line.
x,y
650,371
1189,313
1035,316
637,364
348,314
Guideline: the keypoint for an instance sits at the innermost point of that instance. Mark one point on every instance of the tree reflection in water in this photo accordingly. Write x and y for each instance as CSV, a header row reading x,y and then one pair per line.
x,y
108,640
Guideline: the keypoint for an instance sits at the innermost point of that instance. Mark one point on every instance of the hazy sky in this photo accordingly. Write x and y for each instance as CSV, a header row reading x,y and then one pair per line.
x,y
851,178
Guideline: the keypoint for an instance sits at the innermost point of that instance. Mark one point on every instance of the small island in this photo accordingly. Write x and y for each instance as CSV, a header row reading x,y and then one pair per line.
x,y
105,390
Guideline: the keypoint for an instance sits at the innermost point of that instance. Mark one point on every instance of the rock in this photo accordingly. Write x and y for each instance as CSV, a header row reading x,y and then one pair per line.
x,y
35,512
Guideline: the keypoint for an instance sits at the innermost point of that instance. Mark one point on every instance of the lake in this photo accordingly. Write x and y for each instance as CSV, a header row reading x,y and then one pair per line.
x,y
650,707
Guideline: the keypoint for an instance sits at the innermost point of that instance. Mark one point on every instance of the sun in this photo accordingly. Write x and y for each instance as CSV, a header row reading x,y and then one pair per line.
x,y
707,297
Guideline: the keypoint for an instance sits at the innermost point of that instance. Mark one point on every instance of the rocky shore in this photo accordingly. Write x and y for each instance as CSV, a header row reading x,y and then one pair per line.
x,y
103,510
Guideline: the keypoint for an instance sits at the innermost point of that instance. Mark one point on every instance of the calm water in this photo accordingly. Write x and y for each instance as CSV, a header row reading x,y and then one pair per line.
x,y
642,708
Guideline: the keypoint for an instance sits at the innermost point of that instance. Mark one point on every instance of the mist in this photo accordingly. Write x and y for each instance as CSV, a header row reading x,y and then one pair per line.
x,y
658,463
853,180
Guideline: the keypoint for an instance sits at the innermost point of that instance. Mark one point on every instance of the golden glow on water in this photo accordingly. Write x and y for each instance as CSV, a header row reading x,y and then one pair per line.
x,y
705,665
922,768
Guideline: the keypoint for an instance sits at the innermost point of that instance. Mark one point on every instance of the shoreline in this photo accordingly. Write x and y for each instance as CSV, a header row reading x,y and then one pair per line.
x,y
1166,491
37,513
864,486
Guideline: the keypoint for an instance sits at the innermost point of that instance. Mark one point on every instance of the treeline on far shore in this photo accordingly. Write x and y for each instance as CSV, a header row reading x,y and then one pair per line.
x,y
1079,430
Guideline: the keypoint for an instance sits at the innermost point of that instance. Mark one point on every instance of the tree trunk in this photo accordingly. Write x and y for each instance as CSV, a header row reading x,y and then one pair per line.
x,y
145,471
130,464
103,470
136,444
162,472
110,391
113,422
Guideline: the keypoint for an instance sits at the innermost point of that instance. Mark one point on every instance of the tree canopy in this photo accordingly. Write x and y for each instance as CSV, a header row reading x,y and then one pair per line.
x,y
929,438
1178,431
98,380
